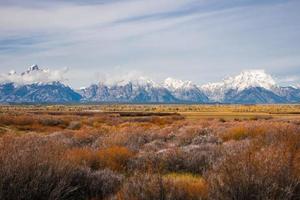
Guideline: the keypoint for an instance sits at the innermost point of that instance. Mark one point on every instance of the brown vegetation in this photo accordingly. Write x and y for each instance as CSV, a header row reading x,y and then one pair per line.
x,y
74,152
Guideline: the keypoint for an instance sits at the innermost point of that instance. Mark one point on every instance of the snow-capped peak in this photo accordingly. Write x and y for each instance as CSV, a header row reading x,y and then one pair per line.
x,y
174,84
246,79
33,68
251,78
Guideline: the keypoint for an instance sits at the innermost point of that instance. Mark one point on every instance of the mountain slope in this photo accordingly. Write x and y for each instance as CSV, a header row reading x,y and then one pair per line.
x,y
290,94
38,93
253,95
185,91
138,91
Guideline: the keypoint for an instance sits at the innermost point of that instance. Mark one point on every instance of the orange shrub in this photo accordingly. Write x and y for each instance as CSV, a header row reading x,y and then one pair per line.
x,y
171,187
82,156
235,133
115,158
185,186
84,136
242,132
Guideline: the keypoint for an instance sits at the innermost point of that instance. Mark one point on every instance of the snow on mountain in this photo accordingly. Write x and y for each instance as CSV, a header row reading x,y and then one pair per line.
x,y
185,91
37,85
246,79
175,84
140,89
145,90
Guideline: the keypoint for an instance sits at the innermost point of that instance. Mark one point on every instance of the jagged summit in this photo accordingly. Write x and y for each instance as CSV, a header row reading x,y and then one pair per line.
x,y
244,80
251,78
174,84
33,67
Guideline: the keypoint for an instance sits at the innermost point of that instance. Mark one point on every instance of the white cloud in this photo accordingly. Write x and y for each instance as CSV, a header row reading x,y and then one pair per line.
x,y
34,76
119,76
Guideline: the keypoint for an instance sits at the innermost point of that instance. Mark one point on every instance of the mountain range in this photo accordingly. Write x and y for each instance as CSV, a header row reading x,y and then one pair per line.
x,y
248,87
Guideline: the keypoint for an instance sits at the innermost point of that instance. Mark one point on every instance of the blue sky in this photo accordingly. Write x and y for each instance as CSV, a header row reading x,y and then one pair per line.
x,y
198,40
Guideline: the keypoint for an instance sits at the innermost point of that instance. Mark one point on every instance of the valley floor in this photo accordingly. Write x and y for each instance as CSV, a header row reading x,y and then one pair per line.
x,y
149,152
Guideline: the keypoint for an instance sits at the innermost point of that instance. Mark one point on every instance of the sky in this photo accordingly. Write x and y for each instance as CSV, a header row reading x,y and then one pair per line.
x,y
198,40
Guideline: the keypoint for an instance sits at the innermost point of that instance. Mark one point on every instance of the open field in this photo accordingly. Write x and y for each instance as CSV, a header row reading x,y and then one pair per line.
x,y
149,152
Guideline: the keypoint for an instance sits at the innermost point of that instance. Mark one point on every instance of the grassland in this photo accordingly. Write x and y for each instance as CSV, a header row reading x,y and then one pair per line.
x,y
150,152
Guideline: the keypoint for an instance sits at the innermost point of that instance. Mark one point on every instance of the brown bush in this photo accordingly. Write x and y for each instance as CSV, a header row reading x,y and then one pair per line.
x,y
192,159
33,168
244,131
85,137
115,158
170,187
257,172
142,187
83,157
74,125
235,133
185,187
52,122
131,136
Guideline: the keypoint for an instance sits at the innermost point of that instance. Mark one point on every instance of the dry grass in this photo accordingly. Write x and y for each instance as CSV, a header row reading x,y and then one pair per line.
x,y
146,152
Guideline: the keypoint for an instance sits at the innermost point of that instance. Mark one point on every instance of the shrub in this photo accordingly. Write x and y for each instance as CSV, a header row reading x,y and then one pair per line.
x,y
84,137
33,168
256,173
222,120
186,134
52,122
170,187
142,187
115,158
100,184
74,125
235,133
83,157
131,136
185,187
193,159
